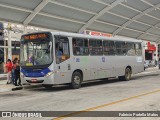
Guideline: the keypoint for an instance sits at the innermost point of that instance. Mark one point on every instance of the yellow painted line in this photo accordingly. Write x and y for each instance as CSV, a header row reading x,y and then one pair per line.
x,y
105,105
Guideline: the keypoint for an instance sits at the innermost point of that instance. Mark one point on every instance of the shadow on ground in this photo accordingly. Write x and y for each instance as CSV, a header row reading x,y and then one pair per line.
x,y
59,88
91,83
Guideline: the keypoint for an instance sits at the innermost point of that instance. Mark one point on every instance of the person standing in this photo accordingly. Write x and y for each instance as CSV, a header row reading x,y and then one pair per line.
x,y
9,70
17,73
13,70
159,63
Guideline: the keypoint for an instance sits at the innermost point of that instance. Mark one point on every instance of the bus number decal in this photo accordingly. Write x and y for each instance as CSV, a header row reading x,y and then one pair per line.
x,y
139,59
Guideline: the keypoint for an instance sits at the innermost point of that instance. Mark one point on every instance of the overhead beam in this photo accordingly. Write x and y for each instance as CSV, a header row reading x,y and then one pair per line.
x,y
78,9
102,2
149,30
102,12
127,28
150,4
72,7
82,10
61,18
35,12
135,18
15,7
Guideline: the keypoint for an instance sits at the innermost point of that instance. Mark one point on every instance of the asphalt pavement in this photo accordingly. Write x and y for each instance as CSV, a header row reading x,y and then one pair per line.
x,y
142,93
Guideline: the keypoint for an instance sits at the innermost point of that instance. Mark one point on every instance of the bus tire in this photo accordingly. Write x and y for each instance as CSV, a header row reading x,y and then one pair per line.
x,y
76,80
47,86
127,75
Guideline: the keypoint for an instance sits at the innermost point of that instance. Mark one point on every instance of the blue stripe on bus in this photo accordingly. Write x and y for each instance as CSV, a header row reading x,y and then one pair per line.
x,y
35,73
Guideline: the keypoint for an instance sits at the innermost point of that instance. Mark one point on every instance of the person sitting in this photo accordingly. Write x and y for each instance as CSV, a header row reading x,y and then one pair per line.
x,y
59,55
13,70
17,73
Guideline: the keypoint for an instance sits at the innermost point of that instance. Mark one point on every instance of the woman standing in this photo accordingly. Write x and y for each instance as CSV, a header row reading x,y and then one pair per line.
x,y
17,73
9,69
13,70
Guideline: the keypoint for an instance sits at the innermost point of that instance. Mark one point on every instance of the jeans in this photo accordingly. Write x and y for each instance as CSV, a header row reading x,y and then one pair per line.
x,y
17,76
9,77
13,76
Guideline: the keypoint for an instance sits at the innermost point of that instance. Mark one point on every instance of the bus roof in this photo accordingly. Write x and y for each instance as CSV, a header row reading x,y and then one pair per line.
x,y
117,38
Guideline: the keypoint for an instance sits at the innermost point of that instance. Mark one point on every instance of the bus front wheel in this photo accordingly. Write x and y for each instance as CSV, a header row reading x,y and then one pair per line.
x,y
76,80
127,75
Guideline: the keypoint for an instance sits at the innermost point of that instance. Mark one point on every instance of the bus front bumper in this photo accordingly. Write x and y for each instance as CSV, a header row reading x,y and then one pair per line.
x,y
38,80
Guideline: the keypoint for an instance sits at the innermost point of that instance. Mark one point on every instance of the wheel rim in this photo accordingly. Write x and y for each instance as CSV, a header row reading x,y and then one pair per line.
x,y
77,80
128,74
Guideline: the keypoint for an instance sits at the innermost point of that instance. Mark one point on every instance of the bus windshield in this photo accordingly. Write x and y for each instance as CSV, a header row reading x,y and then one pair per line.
x,y
36,53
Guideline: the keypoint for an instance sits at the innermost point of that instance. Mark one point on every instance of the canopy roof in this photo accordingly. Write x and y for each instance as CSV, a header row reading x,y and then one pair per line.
x,y
132,18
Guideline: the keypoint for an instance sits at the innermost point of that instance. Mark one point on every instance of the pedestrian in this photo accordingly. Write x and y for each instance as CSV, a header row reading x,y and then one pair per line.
x,y
155,63
13,70
159,63
9,69
17,73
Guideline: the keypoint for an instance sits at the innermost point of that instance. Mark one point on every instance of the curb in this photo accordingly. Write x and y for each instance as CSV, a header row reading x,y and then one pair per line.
x,y
3,78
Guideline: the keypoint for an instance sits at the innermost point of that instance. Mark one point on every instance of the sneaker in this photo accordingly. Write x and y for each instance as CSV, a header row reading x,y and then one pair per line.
x,y
8,83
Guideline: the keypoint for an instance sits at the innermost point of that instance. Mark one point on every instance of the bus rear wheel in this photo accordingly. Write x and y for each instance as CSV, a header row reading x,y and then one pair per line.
x,y
127,75
76,80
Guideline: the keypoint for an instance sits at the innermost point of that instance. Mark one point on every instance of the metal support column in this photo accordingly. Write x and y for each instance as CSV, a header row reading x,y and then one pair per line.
x,y
9,45
156,57
25,30
156,51
5,51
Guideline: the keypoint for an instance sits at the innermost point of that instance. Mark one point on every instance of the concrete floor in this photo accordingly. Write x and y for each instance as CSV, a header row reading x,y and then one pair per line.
x,y
142,93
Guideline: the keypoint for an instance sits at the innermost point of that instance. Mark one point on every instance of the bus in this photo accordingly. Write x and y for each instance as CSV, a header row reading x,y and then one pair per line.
x,y
51,58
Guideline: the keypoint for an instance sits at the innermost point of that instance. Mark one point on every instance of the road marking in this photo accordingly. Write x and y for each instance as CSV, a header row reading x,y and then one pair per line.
x,y
105,105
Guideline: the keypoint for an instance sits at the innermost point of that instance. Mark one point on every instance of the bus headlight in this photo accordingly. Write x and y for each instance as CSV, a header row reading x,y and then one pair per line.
x,y
49,74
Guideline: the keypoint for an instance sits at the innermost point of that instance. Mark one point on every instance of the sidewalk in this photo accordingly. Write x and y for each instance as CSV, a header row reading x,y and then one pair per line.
x,y
3,76
8,87
152,69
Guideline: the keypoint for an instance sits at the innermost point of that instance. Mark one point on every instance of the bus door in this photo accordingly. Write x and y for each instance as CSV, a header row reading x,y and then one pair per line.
x,y
62,55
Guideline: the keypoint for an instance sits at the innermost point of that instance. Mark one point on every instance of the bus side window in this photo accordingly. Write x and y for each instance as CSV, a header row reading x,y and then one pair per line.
x,y
120,48
62,49
138,49
131,49
108,48
96,47
80,46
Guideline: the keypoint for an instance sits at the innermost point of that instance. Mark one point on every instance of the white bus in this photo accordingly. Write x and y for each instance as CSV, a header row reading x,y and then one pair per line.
x,y
51,58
